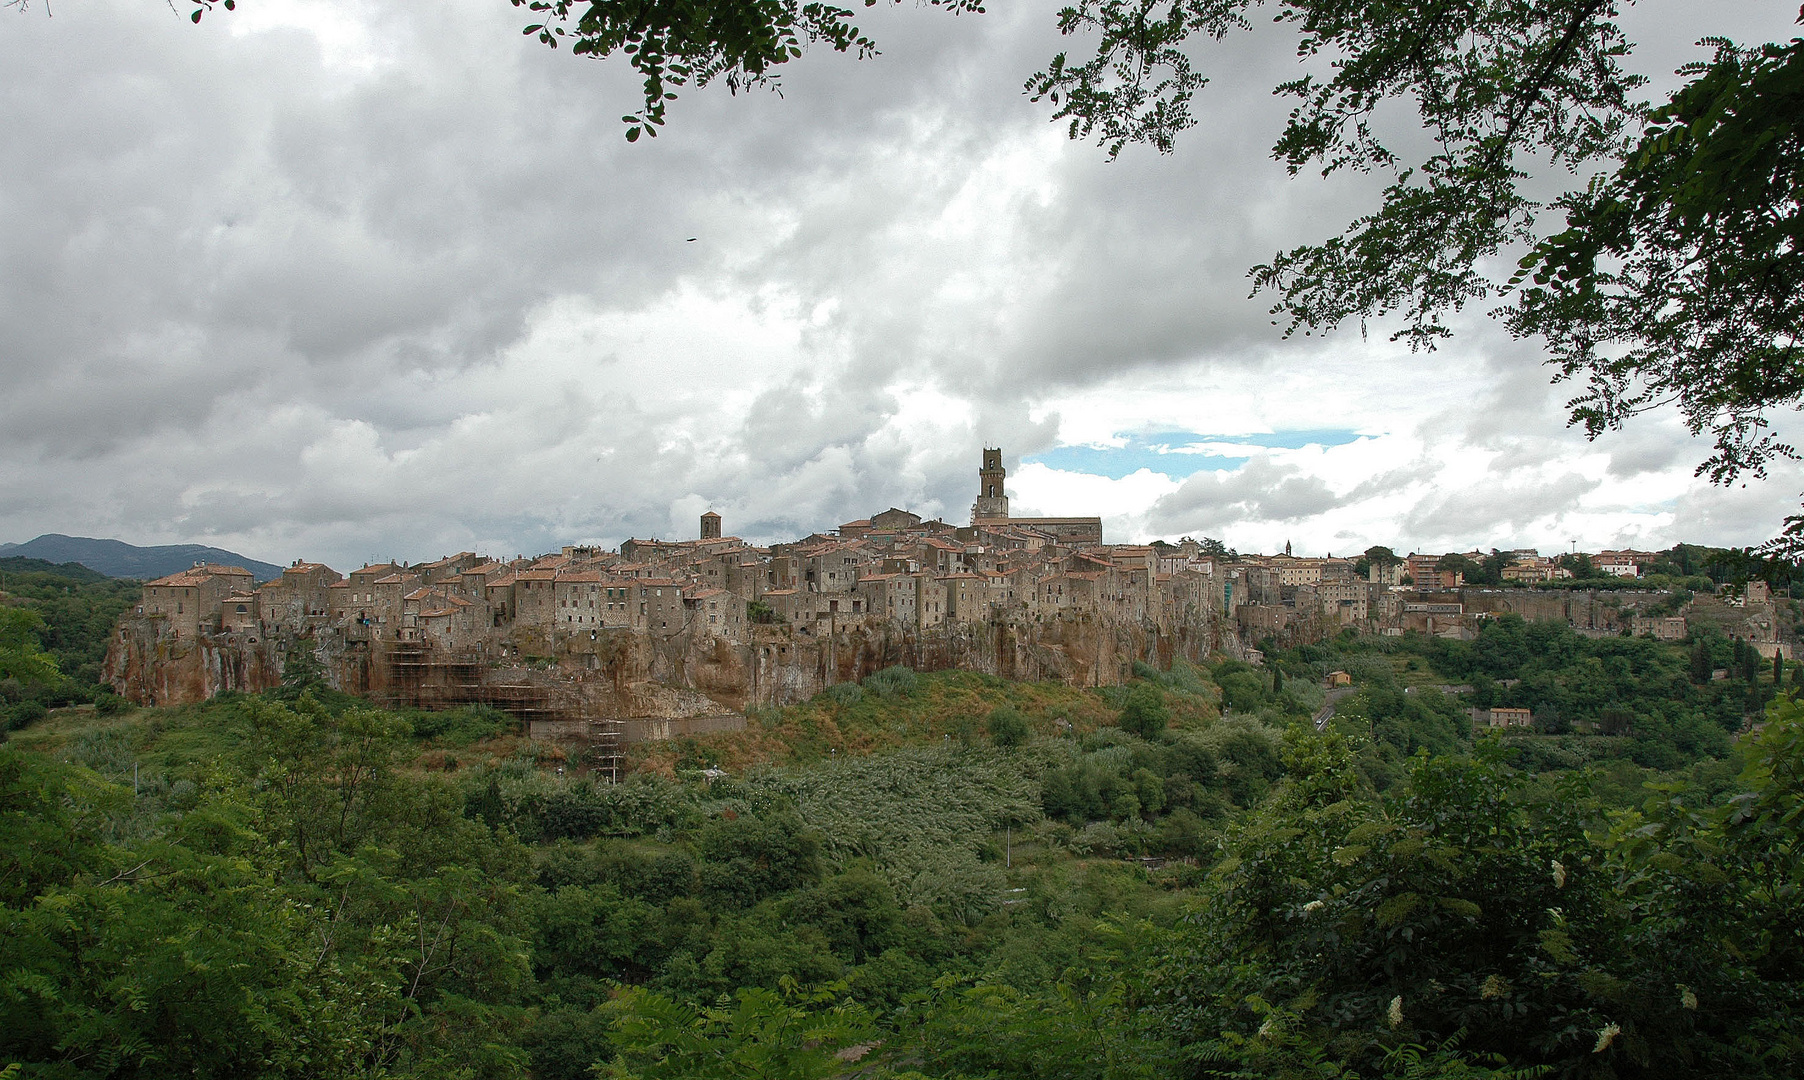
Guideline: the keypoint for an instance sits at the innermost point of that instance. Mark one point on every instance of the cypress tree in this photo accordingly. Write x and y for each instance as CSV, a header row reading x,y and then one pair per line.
x,y
1700,662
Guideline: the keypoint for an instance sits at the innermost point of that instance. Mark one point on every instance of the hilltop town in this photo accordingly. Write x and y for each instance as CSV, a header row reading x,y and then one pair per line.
x,y
714,624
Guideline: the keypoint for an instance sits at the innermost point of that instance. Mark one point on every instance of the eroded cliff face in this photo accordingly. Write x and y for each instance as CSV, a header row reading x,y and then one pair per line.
x,y
640,674
153,669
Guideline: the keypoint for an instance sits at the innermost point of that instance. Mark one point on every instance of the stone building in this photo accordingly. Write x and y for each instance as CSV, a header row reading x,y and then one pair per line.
x,y
716,613
192,601
991,509
300,598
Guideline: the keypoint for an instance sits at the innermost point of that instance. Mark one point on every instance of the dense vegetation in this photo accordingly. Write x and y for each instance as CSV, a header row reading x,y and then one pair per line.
x,y
54,623
930,876
945,875
1659,704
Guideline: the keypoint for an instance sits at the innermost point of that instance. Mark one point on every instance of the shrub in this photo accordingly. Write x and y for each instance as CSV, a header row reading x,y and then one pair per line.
x,y
1145,714
844,694
892,682
1008,728
746,859
1242,691
461,727
23,714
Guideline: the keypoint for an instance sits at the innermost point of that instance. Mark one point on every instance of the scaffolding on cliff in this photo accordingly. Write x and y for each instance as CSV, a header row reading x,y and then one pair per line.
x,y
420,677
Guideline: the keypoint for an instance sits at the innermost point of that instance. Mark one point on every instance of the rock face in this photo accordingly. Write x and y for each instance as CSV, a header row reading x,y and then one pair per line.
x,y
160,670
636,674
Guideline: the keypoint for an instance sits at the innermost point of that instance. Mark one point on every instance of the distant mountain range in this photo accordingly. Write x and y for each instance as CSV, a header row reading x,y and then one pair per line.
x,y
116,558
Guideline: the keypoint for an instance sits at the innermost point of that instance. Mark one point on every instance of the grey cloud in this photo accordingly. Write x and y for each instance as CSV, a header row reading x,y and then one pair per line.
x,y
1655,444
251,298
1260,490
1492,505
1740,514
1391,481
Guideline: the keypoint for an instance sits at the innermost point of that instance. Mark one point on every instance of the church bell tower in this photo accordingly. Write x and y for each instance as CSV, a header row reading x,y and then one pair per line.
x,y
992,503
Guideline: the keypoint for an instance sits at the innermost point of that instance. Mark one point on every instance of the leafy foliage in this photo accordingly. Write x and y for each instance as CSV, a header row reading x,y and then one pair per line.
x,y
312,914
21,657
1007,727
295,889
1680,278
1464,907
760,1034
1145,714
673,43
892,682
76,608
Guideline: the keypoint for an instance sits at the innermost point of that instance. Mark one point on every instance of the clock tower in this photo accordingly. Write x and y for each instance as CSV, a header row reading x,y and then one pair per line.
x,y
992,502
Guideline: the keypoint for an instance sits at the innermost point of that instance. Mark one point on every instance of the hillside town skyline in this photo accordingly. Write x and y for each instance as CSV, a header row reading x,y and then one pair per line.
x,y
738,622
992,507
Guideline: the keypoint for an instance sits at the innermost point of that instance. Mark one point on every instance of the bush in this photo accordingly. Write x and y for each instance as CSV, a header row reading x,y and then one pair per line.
x,y
111,704
746,859
1008,728
844,694
892,682
1242,691
461,727
24,713
1145,714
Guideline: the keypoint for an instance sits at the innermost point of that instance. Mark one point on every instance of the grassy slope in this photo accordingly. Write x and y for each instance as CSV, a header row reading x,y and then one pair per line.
x,y
949,706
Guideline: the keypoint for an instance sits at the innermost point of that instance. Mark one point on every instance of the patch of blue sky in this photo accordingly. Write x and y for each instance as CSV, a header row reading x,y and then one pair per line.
x,y
1179,454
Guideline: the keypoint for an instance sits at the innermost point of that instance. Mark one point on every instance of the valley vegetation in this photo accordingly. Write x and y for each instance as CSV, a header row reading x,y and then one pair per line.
x,y
935,875
55,619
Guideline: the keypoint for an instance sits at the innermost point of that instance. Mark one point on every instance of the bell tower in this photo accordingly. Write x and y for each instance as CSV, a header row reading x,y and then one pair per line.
x,y
992,502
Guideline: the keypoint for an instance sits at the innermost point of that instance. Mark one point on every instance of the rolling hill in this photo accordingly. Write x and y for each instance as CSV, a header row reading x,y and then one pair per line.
x,y
116,558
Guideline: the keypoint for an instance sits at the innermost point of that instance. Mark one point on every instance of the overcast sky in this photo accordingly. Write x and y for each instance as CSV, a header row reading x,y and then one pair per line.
x,y
358,279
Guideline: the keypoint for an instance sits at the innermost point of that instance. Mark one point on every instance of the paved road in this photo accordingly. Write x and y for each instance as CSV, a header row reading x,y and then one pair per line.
x,y
1327,711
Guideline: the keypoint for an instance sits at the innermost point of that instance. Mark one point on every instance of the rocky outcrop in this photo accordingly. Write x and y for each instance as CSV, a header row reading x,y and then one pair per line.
x,y
637,674
150,668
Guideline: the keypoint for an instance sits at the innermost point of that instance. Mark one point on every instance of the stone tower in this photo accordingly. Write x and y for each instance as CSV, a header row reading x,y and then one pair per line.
x,y
992,502
710,526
